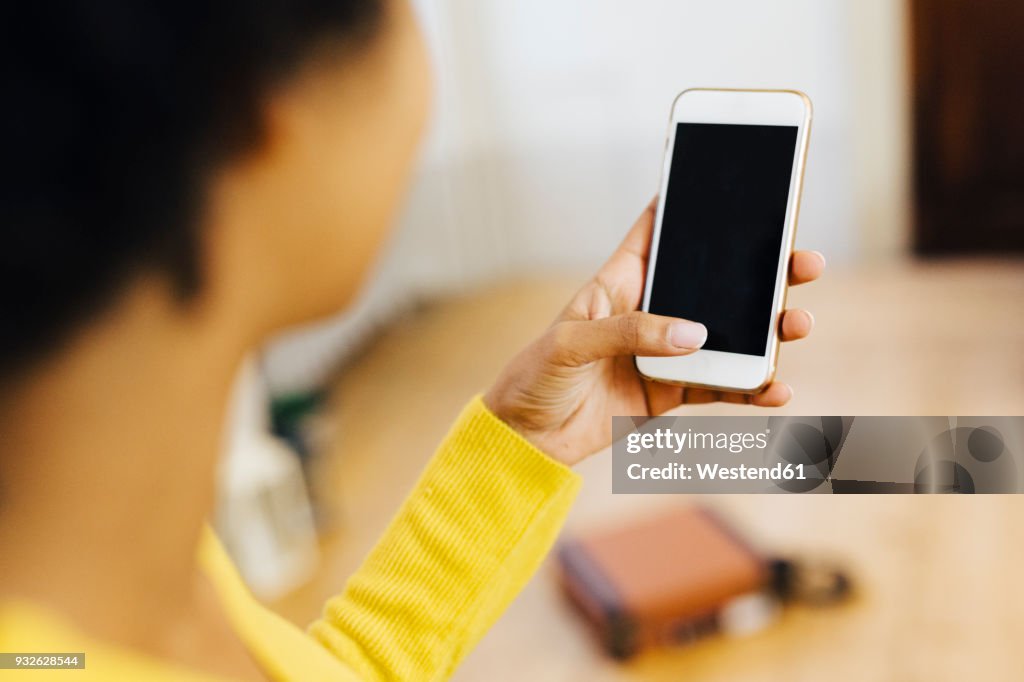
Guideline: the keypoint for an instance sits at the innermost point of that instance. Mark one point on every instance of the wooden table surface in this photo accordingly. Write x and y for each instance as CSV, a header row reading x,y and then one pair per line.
x,y
940,577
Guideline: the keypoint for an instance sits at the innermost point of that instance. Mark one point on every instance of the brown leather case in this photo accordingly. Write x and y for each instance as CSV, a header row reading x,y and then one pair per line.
x,y
659,580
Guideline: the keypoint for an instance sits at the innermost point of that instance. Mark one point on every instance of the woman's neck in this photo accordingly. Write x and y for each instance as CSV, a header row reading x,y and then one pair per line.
x,y
108,467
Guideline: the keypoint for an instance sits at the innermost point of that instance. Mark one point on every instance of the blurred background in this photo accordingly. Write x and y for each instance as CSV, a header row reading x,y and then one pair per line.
x,y
545,144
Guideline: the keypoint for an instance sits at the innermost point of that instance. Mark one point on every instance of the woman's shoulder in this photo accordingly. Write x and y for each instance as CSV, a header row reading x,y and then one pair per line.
x,y
51,638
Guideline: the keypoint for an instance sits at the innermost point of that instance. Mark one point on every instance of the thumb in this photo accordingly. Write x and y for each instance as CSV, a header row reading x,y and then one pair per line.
x,y
578,342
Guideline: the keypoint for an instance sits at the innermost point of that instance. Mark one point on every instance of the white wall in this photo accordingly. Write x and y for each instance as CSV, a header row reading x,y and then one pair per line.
x,y
549,123
881,126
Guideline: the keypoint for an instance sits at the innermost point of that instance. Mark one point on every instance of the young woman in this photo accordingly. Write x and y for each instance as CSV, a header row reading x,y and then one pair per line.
x,y
182,180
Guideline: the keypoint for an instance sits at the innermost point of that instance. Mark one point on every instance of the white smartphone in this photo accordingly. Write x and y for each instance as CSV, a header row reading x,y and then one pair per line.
x,y
724,231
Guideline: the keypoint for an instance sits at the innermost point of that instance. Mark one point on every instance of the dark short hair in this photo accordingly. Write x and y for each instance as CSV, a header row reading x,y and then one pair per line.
x,y
113,115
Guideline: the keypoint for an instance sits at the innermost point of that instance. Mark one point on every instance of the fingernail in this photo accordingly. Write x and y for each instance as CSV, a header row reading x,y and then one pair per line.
x,y
687,334
822,257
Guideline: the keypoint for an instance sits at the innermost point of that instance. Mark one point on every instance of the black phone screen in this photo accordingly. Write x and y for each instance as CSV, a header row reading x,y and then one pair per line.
x,y
721,230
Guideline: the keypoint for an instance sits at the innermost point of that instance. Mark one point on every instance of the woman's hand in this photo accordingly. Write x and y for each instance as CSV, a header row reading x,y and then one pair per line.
x,y
562,390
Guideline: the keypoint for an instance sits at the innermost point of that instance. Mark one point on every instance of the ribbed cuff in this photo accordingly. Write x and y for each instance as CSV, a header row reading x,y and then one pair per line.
x,y
480,445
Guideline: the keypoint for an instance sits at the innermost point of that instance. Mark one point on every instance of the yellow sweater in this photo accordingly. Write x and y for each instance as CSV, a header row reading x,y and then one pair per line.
x,y
478,523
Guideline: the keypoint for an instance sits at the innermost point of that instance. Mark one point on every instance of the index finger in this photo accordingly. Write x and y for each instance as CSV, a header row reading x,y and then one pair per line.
x,y
806,266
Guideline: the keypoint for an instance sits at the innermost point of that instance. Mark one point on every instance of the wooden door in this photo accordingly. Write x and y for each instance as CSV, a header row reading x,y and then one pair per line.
x,y
968,109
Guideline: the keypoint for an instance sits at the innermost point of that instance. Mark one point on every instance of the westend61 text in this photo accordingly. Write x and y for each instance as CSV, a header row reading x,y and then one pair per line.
x,y
708,472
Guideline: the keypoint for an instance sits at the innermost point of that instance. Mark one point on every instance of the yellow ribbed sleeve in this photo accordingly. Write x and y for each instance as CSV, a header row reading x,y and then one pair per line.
x,y
483,515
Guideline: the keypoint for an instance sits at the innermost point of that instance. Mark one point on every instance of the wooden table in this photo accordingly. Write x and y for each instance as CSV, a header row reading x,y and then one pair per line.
x,y
940,577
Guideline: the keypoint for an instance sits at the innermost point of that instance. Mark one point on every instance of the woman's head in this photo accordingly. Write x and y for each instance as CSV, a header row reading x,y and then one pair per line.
x,y
242,156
